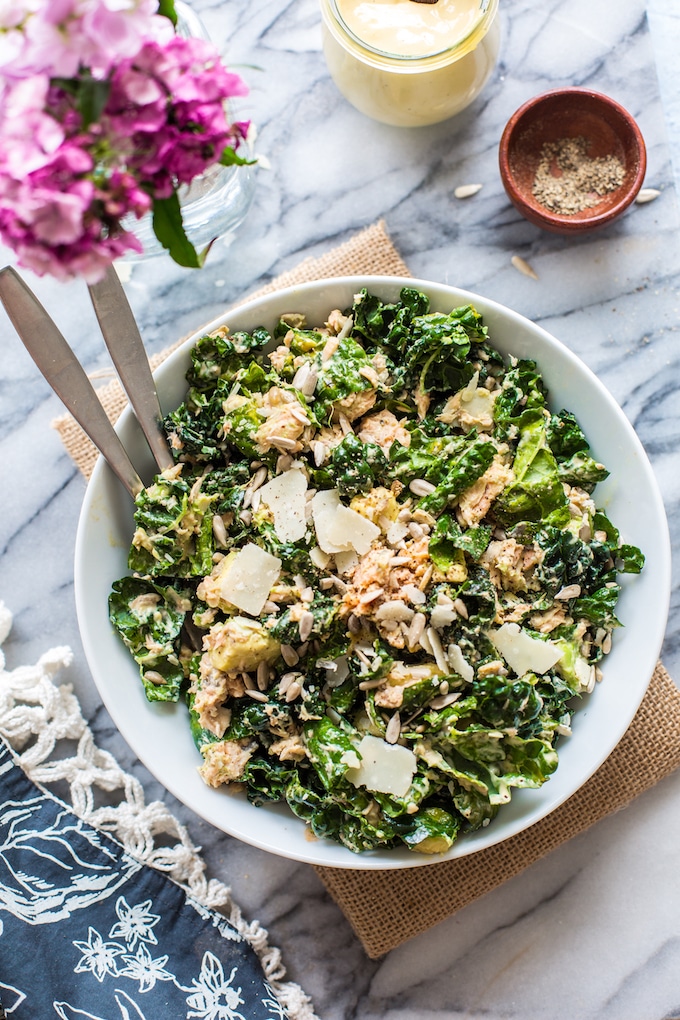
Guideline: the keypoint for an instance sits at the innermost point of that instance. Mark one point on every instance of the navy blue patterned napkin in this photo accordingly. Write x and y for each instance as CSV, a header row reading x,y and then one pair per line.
x,y
89,933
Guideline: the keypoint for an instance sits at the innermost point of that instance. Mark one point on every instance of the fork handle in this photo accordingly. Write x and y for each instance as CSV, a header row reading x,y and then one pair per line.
x,y
57,362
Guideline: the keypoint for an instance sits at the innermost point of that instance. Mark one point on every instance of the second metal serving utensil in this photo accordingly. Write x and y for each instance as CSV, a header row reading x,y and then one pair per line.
x,y
64,373
124,342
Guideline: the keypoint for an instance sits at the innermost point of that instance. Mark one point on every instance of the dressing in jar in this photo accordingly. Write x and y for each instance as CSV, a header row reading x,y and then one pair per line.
x,y
410,62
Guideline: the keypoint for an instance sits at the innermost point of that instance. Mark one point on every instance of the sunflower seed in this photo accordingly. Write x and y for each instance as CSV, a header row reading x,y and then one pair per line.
x,y
262,675
289,655
343,421
354,624
393,731
258,479
286,680
330,348
319,450
570,591
416,629
283,442
154,677
647,195
305,625
607,644
300,415
301,376
467,190
523,267
341,587
310,382
415,530
421,487
293,691
369,685
219,530
395,609
461,608
444,700
256,695
437,650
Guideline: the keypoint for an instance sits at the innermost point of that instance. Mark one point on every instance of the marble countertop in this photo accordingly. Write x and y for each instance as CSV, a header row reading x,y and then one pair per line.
x,y
591,931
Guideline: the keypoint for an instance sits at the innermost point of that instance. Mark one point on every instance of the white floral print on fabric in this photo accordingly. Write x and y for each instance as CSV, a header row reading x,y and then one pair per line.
x,y
115,938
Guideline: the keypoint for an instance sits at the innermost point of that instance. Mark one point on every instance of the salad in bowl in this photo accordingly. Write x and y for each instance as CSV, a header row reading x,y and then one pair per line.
x,y
380,582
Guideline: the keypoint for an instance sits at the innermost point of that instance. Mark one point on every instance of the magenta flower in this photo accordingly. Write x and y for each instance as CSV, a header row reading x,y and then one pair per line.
x,y
68,178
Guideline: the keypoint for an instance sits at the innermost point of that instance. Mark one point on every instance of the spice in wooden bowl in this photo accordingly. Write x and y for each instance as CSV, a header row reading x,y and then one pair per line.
x,y
572,160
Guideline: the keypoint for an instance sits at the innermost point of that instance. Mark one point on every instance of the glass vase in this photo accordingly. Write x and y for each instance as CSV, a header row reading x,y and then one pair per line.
x,y
214,204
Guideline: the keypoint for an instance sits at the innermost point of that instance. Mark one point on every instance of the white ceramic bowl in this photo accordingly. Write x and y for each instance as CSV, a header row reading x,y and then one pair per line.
x,y
159,733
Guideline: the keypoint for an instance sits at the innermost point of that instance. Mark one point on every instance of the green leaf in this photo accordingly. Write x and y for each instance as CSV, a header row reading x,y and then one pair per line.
x,y
629,559
448,536
230,157
92,98
169,229
167,9
149,617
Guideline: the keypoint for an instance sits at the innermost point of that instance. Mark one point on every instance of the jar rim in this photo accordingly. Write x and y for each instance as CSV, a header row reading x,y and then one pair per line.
x,y
487,9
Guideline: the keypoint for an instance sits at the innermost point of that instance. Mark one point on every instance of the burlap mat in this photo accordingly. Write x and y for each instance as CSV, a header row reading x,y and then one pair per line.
x,y
387,908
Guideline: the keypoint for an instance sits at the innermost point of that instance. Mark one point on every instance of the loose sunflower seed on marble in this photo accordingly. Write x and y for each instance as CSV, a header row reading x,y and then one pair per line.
x,y
467,190
647,195
523,267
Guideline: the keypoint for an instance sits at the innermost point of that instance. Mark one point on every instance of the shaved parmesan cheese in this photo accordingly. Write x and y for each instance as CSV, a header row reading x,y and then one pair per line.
x,y
384,768
249,578
396,532
325,504
358,531
346,561
339,529
459,663
285,497
319,558
522,652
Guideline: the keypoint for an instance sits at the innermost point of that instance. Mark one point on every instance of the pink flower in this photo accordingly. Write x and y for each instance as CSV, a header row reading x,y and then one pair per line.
x,y
66,185
57,37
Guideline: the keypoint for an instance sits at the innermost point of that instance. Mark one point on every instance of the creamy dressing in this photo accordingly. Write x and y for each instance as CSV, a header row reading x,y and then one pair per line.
x,y
410,63
409,29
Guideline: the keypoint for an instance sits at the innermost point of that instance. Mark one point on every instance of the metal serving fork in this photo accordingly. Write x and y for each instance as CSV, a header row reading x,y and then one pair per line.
x,y
59,365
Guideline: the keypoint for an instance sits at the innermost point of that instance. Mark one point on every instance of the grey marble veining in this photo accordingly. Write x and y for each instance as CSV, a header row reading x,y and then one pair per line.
x,y
593,930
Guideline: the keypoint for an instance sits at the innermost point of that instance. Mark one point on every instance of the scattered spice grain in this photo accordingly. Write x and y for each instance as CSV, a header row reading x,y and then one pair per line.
x,y
568,180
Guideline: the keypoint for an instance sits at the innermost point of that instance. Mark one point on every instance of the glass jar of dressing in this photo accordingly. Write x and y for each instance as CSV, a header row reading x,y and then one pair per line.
x,y
410,62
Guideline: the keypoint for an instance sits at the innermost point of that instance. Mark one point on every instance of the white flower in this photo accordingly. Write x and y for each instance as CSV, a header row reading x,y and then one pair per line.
x,y
99,957
214,998
134,923
141,967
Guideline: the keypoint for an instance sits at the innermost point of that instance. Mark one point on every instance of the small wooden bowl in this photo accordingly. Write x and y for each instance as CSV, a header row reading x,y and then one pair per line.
x,y
608,130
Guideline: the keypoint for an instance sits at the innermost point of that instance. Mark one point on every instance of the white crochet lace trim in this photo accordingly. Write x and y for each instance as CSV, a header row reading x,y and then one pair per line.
x,y
35,715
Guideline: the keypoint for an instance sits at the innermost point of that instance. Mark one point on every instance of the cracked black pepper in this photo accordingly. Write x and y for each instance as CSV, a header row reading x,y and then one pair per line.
x,y
568,180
